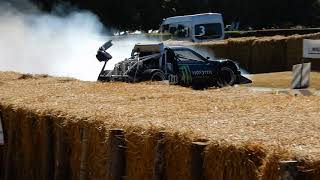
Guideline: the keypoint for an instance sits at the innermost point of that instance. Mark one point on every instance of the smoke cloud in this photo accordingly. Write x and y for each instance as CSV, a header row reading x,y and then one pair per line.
x,y
42,43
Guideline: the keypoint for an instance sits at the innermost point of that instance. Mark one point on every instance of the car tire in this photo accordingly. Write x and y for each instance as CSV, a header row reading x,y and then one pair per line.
x,y
226,76
157,76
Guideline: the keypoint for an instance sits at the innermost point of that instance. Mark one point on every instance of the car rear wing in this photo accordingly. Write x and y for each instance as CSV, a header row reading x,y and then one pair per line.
x,y
102,54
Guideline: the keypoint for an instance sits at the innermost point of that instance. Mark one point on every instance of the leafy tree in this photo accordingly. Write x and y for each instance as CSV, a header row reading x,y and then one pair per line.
x,y
148,14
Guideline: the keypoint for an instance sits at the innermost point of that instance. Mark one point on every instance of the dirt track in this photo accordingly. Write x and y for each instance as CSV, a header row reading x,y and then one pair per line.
x,y
233,115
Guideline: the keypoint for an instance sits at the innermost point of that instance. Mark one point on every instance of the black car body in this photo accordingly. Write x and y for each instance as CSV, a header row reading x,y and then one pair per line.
x,y
178,65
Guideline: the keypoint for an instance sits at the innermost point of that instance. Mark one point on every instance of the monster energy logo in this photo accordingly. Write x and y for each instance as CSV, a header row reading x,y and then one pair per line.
x,y
185,74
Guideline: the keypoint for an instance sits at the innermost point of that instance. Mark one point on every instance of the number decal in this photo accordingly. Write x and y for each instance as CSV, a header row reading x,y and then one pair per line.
x,y
173,79
202,31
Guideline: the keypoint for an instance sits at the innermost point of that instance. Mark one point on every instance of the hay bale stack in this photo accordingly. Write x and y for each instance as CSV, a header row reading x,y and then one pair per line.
x,y
178,157
28,150
73,137
61,149
225,161
141,149
239,49
311,36
97,151
218,49
268,55
63,127
294,50
258,55
315,62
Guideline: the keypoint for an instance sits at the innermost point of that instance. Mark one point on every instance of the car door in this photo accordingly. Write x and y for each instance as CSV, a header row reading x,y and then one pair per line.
x,y
193,68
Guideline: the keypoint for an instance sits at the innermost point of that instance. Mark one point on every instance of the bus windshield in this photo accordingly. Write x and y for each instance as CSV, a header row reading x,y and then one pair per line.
x,y
208,31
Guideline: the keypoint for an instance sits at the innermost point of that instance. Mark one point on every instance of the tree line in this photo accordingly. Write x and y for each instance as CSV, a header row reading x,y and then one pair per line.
x,y
148,14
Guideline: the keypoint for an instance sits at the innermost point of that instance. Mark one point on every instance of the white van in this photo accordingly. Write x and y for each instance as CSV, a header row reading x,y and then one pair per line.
x,y
197,28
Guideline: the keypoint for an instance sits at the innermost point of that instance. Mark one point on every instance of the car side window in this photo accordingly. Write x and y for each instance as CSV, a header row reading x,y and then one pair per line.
x,y
187,55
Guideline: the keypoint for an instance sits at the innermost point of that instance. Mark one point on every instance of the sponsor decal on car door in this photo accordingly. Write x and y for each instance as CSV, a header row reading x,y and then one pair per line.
x,y
185,73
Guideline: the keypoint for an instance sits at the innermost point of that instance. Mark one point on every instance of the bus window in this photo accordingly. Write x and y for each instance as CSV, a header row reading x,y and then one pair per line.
x,y
182,31
172,30
165,28
208,31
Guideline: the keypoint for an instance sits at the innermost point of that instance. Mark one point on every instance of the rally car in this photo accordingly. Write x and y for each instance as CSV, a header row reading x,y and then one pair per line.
x,y
176,64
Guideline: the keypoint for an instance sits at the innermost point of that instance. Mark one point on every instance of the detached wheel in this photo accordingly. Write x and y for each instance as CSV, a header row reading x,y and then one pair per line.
x,y
157,76
226,77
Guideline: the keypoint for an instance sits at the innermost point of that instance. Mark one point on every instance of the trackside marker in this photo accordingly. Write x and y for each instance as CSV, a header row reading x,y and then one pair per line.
x,y
301,76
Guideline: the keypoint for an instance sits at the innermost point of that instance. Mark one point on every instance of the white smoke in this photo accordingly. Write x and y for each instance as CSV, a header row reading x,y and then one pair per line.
x,y
35,42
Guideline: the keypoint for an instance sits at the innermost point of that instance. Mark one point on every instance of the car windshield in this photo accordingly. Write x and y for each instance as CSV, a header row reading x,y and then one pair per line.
x,y
188,54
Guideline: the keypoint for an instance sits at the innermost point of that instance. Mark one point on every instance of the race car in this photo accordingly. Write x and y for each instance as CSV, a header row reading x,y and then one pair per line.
x,y
176,64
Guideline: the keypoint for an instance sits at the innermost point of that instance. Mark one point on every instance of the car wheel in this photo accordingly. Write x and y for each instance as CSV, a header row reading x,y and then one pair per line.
x,y
157,76
226,77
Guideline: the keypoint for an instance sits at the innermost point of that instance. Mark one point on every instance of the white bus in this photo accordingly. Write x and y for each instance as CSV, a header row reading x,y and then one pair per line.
x,y
197,28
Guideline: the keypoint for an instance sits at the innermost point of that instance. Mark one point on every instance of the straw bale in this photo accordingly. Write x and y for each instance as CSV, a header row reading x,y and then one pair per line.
x,y
28,138
177,157
97,151
3,148
311,36
61,149
270,168
294,51
225,161
310,170
73,137
269,55
9,126
26,158
217,49
141,149
239,49
29,158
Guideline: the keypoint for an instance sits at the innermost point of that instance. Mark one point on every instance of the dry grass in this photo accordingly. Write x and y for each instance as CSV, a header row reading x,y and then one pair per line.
x,y
235,118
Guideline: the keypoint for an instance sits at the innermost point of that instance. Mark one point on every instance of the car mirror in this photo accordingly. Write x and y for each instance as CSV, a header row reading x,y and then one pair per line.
x,y
208,58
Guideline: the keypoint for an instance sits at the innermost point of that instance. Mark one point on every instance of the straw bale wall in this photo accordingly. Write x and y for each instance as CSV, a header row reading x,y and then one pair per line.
x,y
294,50
141,154
263,54
51,147
268,55
47,143
240,50
219,49
233,162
